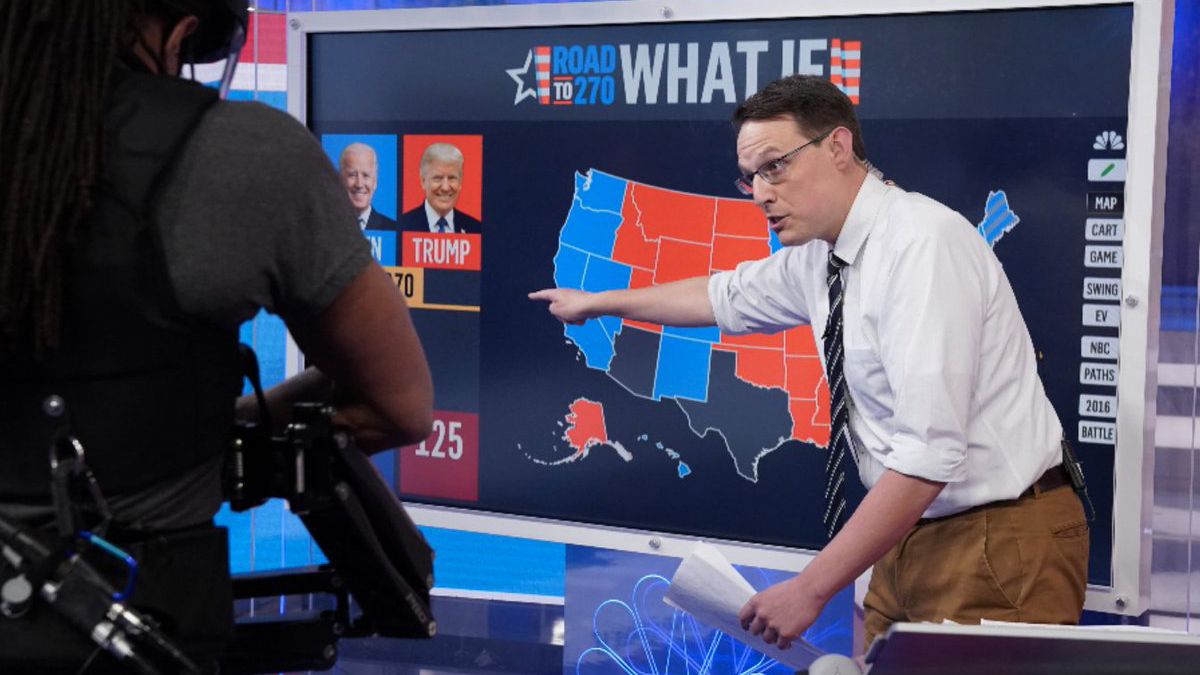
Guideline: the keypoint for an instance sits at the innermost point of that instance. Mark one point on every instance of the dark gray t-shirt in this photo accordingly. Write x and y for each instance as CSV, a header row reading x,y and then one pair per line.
x,y
252,216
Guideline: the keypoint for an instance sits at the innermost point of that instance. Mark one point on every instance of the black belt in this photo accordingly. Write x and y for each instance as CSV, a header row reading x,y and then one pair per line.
x,y
1054,478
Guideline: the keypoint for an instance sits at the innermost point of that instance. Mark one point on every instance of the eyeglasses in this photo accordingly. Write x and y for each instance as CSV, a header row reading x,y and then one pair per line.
x,y
772,171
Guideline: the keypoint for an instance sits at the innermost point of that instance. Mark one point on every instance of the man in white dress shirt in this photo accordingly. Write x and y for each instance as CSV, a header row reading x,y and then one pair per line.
x,y
969,513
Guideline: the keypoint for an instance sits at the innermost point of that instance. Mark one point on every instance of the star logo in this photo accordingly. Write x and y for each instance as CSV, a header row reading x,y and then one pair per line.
x,y
524,91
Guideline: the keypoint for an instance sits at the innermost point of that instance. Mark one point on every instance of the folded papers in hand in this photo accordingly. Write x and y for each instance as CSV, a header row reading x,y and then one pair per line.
x,y
711,590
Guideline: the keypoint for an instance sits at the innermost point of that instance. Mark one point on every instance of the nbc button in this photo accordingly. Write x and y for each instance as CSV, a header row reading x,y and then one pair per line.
x,y
1106,170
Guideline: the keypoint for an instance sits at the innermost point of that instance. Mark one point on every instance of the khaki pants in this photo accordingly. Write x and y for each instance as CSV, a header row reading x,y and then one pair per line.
x,y
1019,560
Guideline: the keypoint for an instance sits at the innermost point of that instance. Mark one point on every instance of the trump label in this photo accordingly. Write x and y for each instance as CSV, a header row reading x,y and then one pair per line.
x,y
442,251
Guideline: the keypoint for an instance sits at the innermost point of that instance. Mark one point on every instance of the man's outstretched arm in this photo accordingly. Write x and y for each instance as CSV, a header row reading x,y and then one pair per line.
x,y
679,303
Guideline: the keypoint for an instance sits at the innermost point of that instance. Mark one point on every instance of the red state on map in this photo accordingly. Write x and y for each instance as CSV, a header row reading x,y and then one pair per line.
x,y
675,215
802,372
771,341
761,367
810,420
821,391
681,260
741,218
585,424
729,251
631,247
808,399
800,342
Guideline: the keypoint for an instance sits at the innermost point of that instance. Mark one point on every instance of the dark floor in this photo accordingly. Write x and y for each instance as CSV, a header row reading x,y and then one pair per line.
x,y
474,636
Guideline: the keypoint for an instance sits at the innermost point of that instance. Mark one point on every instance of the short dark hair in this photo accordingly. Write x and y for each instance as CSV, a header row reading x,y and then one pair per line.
x,y
816,104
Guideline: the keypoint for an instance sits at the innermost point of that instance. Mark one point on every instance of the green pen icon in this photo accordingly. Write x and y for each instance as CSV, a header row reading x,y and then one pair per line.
x,y
1106,169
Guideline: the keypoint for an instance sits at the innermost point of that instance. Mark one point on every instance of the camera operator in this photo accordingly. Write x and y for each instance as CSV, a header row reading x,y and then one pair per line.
x,y
142,222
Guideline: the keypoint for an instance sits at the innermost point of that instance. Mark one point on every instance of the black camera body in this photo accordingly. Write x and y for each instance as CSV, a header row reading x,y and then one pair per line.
x,y
297,466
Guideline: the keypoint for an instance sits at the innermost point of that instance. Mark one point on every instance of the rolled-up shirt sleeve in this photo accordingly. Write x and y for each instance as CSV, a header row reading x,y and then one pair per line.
x,y
761,296
930,337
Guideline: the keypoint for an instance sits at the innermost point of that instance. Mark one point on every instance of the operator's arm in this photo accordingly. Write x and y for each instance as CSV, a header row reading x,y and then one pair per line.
x,y
308,385
365,341
678,303
784,611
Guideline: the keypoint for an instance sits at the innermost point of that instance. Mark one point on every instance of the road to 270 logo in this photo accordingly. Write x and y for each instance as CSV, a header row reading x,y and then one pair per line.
x,y
644,74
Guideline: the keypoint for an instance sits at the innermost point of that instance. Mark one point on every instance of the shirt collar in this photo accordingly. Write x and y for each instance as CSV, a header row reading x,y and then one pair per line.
x,y
861,219
433,216
364,218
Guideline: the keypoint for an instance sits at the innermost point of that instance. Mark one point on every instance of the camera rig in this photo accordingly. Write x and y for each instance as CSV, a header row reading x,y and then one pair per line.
x,y
377,556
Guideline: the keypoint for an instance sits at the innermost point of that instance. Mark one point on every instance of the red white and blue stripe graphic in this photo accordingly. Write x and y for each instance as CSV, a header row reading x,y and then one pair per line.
x,y
541,62
845,67
261,73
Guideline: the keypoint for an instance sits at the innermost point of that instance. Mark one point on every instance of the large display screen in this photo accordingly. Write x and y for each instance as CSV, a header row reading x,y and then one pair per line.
x,y
602,157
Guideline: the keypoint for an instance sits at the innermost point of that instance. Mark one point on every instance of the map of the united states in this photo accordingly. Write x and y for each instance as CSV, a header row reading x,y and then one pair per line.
x,y
622,234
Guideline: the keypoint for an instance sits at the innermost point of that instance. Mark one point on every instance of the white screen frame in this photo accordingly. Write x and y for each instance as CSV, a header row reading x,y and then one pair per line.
x,y
1149,93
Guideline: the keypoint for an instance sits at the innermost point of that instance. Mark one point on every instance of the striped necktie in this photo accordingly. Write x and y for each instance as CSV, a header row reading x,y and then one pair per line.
x,y
840,444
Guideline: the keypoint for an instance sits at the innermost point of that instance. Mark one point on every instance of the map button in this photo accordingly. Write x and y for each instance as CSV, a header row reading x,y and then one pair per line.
x,y
1101,203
